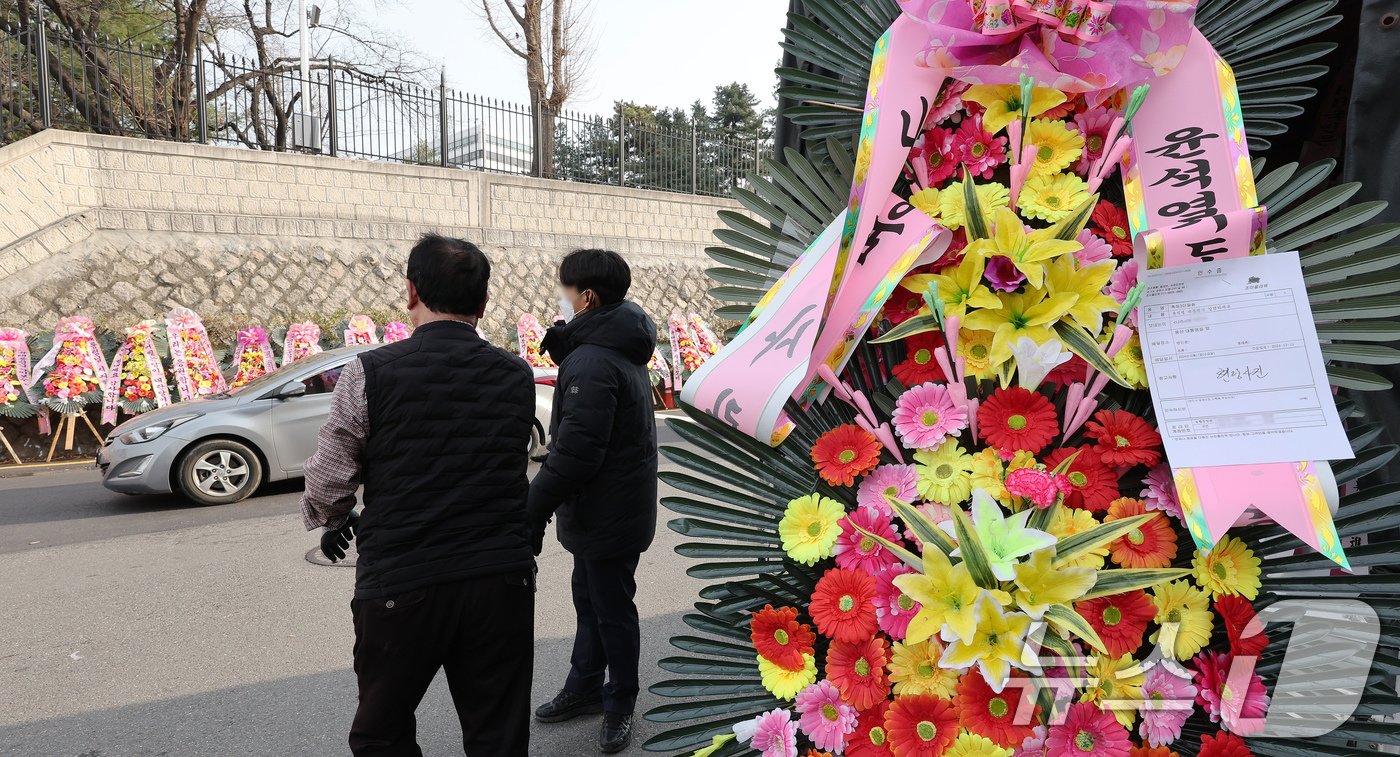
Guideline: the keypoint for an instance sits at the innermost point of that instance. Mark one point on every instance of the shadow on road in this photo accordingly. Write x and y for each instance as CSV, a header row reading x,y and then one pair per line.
x,y
310,715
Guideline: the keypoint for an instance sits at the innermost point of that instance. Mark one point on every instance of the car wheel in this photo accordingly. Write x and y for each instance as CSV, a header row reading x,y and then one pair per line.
x,y
219,472
536,440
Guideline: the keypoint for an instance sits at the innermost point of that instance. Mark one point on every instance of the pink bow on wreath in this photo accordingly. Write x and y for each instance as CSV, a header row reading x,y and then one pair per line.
x,y
253,336
1089,47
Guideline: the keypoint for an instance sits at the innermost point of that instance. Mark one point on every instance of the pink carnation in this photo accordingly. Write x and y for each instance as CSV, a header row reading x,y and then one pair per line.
x,y
824,717
893,608
1159,491
1168,700
925,416
1233,696
1041,487
898,481
855,550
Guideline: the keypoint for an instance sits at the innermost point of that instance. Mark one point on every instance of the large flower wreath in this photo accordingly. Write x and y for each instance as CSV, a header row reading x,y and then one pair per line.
x,y
14,375
982,481
73,374
137,382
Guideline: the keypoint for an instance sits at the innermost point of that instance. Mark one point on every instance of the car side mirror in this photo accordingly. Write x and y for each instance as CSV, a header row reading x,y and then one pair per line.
x,y
291,389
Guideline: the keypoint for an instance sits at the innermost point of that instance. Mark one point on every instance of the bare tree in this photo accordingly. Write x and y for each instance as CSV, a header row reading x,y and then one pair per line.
x,y
551,37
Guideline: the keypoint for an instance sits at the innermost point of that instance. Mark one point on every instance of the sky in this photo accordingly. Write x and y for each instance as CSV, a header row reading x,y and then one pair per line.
x,y
666,53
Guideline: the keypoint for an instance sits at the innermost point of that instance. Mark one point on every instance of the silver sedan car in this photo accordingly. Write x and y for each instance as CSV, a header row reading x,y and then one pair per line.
x,y
221,449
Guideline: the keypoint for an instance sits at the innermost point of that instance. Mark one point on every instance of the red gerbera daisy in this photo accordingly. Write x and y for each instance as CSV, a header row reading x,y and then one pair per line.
x,y
1110,223
870,739
843,605
920,366
1092,485
1151,545
901,306
779,638
1067,373
921,726
1125,439
1223,745
995,716
858,670
1120,619
1017,419
1242,626
845,453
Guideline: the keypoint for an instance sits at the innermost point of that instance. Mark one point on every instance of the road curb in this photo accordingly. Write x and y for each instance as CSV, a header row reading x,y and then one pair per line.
x,y
29,469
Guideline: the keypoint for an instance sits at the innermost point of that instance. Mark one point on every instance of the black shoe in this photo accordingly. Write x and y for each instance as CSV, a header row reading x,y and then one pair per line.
x,y
566,705
616,733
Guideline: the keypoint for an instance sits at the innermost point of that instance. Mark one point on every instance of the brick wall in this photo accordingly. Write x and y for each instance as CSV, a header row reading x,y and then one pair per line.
x,y
121,229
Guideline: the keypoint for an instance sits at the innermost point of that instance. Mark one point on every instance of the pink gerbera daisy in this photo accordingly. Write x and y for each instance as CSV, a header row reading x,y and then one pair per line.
x,y
1167,702
1093,125
979,151
824,717
1159,491
855,550
925,416
1088,732
774,734
898,481
1233,695
1122,282
1092,249
937,156
893,608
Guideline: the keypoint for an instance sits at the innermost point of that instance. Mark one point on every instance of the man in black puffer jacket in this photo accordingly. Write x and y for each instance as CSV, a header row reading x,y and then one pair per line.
x,y
600,477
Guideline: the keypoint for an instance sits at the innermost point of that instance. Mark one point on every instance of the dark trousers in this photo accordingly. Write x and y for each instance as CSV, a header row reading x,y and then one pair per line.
x,y
480,630
608,640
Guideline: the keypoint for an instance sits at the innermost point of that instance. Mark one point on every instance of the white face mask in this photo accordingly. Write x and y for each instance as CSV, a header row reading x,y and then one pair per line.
x,y
566,309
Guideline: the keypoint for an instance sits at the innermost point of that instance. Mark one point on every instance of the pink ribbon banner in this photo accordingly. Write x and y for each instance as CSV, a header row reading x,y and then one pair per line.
x,y
1191,198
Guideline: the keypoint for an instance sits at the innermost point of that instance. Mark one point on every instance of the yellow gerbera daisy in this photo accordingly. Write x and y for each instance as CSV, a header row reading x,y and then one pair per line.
x,y
810,527
1051,197
1069,521
927,200
971,745
1130,365
1056,146
976,350
784,684
945,474
1116,686
914,670
991,195
1183,605
1230,568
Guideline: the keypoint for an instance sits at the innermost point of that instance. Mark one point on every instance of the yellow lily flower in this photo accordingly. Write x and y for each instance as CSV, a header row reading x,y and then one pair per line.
x,y
962,287
1028,252
948,595
1039,585
995,647
1030,313
1088,283
1003,103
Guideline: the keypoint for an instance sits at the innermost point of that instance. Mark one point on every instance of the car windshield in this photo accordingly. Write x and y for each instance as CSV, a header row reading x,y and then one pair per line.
x,y
258,384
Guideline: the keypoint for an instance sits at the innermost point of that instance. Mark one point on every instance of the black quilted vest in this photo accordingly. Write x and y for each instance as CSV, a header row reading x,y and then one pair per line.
x,y
450,419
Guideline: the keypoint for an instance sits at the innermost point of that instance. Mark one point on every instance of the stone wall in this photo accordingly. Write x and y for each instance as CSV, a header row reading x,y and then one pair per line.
x,y
122,229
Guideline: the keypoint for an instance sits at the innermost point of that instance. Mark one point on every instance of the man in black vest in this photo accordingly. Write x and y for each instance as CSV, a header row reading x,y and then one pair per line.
x,y
600,476
437,428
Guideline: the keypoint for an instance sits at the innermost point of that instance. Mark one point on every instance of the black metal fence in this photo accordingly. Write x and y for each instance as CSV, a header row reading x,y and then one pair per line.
x,y
49,79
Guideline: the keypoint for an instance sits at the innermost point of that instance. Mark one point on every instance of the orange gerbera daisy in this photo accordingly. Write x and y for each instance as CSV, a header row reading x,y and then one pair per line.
x,y
921,725
992,715
1151,545
845,453
858,670
779,638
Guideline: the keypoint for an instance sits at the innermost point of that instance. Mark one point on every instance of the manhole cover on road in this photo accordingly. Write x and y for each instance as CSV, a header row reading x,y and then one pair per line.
x,y
316,558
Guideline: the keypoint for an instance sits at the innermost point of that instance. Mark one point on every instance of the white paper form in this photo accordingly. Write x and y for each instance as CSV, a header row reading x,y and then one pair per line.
x,y
1234,367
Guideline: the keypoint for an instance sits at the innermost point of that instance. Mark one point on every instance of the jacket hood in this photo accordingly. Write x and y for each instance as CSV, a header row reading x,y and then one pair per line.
x,y
624,328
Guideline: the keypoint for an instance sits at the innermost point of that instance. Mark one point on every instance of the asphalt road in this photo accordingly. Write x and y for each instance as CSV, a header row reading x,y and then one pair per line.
x,y
142,626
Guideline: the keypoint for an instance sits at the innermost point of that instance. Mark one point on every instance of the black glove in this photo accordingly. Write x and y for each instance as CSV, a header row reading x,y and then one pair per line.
x,y
537,541
334,542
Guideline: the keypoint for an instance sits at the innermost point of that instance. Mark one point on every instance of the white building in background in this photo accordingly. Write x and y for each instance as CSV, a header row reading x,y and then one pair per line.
x,y
482,146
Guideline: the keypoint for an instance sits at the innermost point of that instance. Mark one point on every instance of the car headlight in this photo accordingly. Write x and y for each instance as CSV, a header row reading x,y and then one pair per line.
x,y
155,430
